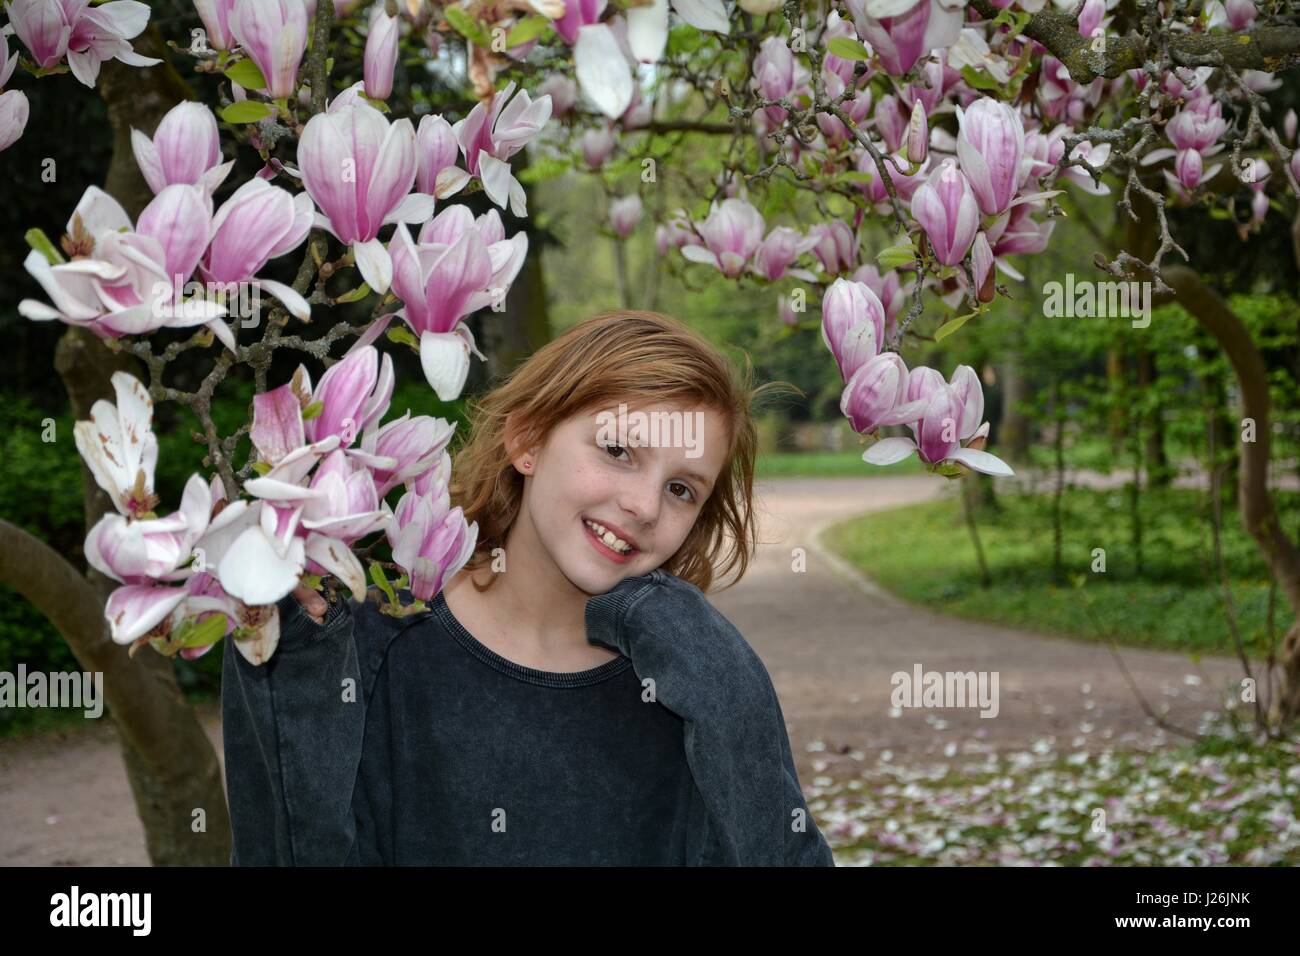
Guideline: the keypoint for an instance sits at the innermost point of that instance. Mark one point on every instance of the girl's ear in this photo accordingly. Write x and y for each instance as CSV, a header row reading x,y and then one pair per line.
x,y
514,441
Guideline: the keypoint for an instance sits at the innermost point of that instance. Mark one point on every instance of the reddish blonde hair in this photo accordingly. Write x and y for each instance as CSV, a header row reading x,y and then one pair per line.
x,y
620,355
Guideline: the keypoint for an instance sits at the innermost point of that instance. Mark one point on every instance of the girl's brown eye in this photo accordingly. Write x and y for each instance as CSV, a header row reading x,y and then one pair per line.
x,y
685,486
619,448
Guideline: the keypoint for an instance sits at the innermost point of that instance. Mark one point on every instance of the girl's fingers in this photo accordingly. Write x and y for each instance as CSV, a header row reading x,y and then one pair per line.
x,y
311,602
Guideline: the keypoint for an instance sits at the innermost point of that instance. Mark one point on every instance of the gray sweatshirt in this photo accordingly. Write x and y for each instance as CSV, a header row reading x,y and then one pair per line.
x,y
376,741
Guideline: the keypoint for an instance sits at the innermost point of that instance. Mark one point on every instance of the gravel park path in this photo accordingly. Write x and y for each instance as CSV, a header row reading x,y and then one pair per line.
x,y
830,640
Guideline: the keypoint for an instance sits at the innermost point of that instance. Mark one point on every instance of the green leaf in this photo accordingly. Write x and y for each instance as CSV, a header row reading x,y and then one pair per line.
x,y
381,581
312,411
468,27
403,336
979,80
38,240
855,176
848,49
948,328
247,111
205,632
894,256
356,295
247,74
263,467
527,29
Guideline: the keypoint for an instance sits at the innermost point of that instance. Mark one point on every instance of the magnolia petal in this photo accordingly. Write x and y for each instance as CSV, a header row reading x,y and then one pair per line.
x,y
295,303
496,177
602,69
707,15
224,333
258,648
147,158
136,609
981,461
253,570
215,176
337,558
889,451
647,31
415,207
444,356
375,264
450,181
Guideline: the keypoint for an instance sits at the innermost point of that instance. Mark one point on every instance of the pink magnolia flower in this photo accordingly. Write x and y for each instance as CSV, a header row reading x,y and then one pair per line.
x,y
128,281
853,325
352,394
51,29
459,266
1090,14
834,244
436,149
490,135
779,251
380,57
624,214
415,444
904,184
215,15
946,208
903,31
562,91
950,416
274,35
8,61
990,146
891,122
732,234
597,145
876,394
257,223
119,446
888,290
1241,13
185,148
13,117
359,169
430,540
774,75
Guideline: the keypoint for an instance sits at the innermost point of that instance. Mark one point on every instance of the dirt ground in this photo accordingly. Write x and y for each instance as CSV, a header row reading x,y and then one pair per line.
x,y
830,640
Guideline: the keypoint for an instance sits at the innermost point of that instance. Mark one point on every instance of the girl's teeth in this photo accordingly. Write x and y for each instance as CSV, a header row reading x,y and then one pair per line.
x,y
610,539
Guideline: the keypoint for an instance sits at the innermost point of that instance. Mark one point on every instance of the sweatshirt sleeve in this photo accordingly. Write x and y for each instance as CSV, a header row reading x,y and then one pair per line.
x,y
293,730
737,745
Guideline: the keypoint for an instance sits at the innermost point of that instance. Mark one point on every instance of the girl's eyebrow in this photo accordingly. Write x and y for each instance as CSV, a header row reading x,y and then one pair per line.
x,y
701,479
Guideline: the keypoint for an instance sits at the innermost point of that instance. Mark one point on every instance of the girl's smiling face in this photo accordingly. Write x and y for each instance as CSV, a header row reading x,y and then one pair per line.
x,y
644,489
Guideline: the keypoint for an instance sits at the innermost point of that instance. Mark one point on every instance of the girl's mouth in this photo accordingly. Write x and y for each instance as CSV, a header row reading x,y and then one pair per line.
x,y
612,553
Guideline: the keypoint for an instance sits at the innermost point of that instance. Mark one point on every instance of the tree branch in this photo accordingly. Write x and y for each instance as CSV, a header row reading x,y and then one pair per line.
x,y
1268,48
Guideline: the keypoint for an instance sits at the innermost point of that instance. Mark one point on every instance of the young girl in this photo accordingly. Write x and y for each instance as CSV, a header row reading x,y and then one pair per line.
x,y
570,697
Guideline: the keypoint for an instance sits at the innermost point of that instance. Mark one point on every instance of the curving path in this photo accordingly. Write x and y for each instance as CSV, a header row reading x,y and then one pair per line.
x,y
829,639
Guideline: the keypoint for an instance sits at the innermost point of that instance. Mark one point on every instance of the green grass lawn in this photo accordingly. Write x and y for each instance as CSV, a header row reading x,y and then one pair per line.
x,y
831,464
925,555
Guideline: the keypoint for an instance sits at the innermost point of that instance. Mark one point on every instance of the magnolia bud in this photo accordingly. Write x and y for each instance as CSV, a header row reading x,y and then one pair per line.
x,y
918,135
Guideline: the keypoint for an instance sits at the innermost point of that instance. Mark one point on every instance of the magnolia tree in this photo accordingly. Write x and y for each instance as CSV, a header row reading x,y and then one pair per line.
x,y
918,147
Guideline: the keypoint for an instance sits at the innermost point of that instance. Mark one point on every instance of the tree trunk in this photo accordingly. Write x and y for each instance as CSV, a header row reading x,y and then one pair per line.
x,y
525,325
1258,514
1013,425
171,764
1116,421
1157,462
